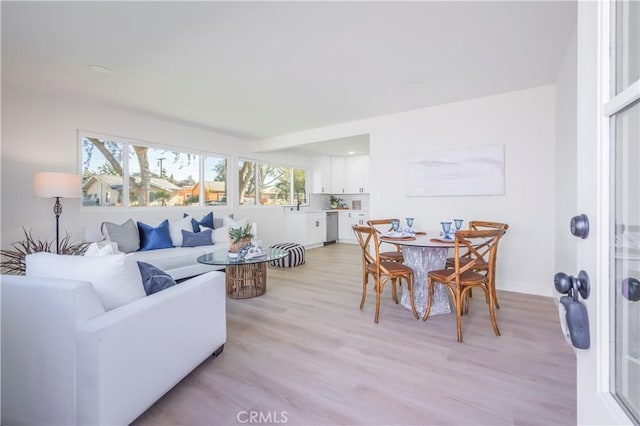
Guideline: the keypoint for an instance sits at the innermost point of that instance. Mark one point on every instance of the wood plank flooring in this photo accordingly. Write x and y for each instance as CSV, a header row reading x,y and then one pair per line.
x,y
305,354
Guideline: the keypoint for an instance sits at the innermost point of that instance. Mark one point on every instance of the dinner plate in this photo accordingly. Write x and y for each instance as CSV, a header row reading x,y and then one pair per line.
x,y
442,240
406,238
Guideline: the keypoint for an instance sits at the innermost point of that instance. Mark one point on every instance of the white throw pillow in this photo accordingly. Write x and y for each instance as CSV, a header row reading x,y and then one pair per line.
x,y
104,248
176,227
233,223
115,278
219,235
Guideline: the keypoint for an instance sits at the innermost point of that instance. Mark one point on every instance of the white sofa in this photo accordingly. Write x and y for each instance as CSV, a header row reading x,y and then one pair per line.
x,y
67,361
179,262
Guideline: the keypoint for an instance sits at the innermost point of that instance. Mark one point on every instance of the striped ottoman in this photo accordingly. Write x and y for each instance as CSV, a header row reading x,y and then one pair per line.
x,y
295,255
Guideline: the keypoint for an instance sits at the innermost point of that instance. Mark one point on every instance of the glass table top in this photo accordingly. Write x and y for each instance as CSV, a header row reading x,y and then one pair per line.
x,y
222,258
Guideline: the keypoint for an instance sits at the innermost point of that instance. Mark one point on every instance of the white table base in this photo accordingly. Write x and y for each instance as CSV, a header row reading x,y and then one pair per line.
x,y
422,260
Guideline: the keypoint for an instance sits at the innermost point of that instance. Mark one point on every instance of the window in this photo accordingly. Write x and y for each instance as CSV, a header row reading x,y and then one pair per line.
x,y
277,185
102,167
246,183
215,182
119,173
161,177
126,174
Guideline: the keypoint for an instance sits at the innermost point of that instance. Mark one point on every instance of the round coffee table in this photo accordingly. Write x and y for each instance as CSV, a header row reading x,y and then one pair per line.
x,y
245,278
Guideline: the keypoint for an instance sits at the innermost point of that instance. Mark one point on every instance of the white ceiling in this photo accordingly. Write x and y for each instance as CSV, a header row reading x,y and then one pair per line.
x,y
262,69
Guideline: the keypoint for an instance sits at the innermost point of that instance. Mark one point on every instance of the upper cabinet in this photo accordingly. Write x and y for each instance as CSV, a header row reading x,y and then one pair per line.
x,y
340,175
357,168
321,174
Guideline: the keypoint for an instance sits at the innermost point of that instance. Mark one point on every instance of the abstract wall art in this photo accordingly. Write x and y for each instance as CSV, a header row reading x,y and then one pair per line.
x,y
469,171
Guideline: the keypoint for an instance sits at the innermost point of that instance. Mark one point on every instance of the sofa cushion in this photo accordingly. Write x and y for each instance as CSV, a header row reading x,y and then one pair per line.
x,y
196,239
101,248
207,221
153,238
233,223
172,258
116,278
176,227
154,279
125,235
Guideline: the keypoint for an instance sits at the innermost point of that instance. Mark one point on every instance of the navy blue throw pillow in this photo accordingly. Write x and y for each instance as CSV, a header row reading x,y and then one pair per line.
x,y
152,238
154,279
207,221
195,239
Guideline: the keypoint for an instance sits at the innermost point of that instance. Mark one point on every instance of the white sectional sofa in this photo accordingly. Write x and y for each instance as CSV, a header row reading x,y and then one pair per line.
x,y
179,262
67,361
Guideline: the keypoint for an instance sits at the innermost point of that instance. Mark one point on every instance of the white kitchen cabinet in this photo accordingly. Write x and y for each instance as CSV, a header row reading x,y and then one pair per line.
x,y
344,226
321,174
357,174
338,175
306,228
315,229
348,218
350,175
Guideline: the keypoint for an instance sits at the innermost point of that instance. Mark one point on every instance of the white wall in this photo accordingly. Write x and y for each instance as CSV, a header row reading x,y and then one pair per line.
x,y
566,167
39,133
522,121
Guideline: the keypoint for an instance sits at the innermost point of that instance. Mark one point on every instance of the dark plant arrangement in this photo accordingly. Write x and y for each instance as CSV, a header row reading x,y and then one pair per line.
x,y
12,262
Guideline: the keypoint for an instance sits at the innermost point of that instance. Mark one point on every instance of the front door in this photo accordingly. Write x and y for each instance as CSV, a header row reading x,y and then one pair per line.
x,y
608,158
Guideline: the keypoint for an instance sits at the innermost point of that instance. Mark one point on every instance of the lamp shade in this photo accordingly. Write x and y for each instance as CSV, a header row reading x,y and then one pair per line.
x,y
50,184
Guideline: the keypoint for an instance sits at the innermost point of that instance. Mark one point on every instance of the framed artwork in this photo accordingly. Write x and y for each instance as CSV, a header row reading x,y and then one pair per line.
x,y
469,171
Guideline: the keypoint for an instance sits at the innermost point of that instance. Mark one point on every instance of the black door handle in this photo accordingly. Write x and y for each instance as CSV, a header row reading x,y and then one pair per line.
x,y
572,286
631,289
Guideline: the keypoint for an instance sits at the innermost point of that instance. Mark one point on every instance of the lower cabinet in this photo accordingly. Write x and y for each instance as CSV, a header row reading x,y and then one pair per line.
x,y
308,229
316,229
346,219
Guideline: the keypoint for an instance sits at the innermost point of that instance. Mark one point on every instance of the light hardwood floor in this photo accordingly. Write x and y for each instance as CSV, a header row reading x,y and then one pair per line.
x,y
305,354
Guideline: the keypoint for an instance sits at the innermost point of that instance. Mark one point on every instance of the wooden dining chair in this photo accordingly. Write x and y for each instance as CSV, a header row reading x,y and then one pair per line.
x,y
381,226
481,248
381,271
476,225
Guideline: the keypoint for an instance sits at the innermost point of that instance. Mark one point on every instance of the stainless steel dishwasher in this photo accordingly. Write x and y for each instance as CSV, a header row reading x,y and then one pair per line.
x,y
332,228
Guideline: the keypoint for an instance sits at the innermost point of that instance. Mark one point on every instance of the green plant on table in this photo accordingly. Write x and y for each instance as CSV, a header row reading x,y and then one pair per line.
x,y
240,237
12,262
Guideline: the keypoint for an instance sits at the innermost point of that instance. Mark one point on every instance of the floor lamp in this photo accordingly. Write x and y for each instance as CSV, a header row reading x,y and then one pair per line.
x,y
57,185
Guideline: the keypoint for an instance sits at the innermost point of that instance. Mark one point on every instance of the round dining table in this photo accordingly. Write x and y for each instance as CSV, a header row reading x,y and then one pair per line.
x,y
423,253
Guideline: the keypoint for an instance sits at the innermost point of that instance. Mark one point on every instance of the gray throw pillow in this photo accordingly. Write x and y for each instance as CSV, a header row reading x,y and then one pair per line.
x,y
196,239
154,279
125,235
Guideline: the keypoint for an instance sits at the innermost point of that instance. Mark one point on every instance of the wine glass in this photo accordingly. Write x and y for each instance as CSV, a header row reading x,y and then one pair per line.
x,y
458,224
409,224
446,229
395,225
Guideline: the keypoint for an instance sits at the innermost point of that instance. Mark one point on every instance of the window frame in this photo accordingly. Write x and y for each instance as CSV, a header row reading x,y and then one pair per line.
x,y
231,179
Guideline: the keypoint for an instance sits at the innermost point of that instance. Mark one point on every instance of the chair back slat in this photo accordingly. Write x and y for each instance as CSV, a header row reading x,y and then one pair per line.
x,y
378,224
367,238
481,248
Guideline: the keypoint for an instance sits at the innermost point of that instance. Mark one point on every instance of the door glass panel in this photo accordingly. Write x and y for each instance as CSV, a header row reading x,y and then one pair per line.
x,y
626,262
626,57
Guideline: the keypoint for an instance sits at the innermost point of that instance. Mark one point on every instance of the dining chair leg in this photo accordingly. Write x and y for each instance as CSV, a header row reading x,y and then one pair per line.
x,y
458,298
429,299
493,291
394,291
365,280
492,314
378,291
413,301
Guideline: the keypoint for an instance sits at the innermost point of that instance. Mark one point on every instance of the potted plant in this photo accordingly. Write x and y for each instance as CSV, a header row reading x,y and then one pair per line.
x,y
336,202
13,263
240,237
